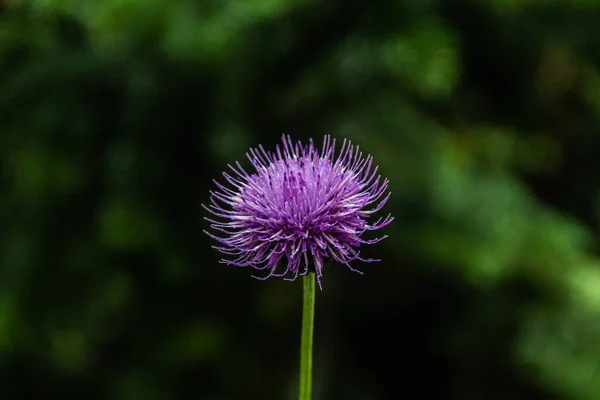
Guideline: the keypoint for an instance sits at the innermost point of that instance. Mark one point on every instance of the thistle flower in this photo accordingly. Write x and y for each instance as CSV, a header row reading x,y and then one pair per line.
x,y
300,207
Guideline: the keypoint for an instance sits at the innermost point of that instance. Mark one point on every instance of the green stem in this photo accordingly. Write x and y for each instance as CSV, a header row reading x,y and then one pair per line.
x,y
306,341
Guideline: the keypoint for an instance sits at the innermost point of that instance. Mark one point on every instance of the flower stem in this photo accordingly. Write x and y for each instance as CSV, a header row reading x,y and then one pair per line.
x,y
306,341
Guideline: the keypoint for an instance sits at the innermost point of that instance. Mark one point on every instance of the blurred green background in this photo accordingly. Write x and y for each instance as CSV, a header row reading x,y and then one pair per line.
x,y
115,115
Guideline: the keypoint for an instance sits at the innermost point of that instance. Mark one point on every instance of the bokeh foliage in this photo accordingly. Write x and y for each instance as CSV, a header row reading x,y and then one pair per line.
x,y
116,115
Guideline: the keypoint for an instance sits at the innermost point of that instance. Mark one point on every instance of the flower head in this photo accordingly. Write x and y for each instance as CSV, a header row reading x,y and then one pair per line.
x,y
300,207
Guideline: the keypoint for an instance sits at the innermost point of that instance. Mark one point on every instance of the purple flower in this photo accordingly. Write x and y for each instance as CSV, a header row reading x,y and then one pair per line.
x,y
301,205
